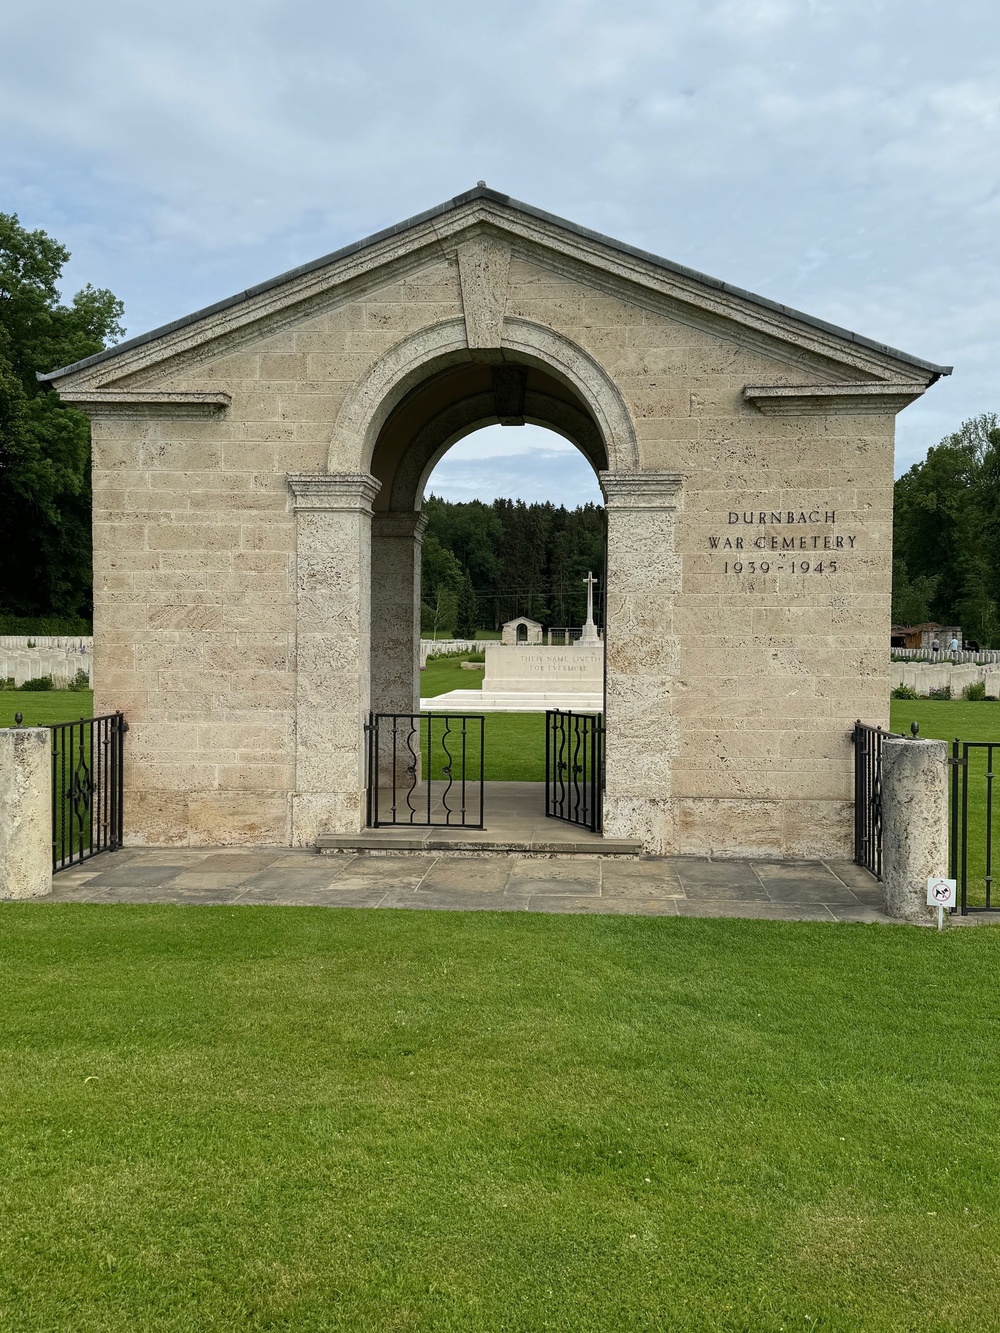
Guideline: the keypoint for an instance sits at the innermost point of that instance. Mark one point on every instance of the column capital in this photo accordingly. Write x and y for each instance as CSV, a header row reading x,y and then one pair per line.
x,y
333,491
410,523
641,490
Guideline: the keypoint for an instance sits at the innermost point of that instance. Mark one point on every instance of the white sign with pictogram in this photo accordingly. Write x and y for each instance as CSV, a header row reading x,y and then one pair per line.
x,y
942,892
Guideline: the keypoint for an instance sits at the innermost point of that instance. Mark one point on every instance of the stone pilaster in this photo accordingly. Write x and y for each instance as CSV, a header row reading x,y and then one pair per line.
x,y
333,513
642,655
396,542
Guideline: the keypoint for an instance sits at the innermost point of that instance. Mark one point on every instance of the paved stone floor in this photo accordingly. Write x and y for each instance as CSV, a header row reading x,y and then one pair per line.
x,y
515,821
669,886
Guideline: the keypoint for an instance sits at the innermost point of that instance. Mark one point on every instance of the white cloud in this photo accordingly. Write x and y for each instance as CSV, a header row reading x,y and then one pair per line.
x,y
517,462
839,157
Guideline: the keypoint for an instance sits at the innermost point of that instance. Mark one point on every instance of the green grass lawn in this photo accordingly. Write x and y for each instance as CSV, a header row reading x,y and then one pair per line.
x,y
945,719
442,674
515,742
307,1119
45,707
515,747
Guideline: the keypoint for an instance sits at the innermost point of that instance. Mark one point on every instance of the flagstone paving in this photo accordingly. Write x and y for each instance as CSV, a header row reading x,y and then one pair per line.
x,y
662,886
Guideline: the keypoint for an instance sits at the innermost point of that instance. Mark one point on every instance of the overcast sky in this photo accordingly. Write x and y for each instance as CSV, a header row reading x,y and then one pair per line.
x,y
840,156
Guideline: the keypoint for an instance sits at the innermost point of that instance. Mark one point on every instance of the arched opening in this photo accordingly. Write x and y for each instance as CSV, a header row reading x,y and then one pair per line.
x,y
457,400
451,404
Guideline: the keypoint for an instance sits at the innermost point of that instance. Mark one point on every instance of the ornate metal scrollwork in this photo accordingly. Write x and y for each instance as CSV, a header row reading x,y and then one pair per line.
x,y
80,792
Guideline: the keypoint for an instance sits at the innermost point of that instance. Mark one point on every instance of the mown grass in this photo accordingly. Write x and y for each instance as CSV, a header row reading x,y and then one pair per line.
x,y
515,742
43,707
442,674
514,745
306,1119
945,719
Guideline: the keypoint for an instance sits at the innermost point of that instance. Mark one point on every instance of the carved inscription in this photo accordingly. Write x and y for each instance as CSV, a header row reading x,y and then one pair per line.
x,y
779,541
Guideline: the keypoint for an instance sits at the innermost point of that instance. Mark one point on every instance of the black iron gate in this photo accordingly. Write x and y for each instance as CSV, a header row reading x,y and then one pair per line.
x,y
973,815
868,795
87,788
426,769
574,768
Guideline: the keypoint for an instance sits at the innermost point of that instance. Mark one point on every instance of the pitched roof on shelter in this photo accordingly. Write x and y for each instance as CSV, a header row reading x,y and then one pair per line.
x,y
500,205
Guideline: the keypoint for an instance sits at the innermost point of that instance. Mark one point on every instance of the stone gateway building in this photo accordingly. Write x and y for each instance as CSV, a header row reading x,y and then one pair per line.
x,y
258,475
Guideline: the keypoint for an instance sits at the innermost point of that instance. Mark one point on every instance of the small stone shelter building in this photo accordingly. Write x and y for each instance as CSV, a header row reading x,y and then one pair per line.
x,y
522,630
924,635
258,473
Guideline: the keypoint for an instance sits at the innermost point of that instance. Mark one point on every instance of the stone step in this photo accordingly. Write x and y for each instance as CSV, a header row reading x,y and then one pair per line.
x,y
496,701
465,841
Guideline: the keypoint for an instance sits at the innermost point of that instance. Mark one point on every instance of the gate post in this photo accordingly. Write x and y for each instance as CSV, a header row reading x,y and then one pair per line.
x,y
25,812
914,824
642,656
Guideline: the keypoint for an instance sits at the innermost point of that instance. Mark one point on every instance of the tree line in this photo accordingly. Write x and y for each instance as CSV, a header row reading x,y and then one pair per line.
x,y
45,502
484,564
946,534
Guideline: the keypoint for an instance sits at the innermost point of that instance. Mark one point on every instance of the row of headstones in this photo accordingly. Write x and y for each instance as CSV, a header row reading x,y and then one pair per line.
x,y
62,664
923,679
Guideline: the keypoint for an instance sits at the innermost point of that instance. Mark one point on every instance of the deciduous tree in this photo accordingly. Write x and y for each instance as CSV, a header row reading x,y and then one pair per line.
x,y
946,533
45,556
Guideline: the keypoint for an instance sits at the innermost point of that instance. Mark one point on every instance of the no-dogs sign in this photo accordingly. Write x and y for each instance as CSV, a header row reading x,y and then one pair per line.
x,y
941,892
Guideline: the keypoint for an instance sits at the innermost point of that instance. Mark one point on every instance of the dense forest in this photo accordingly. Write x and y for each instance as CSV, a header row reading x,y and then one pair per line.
x,y
946,534
45,559
487,563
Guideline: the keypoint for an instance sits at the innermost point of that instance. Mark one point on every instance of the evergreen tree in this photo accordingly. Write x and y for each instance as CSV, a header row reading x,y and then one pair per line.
x,y
466,618
45,564
441,581
521,559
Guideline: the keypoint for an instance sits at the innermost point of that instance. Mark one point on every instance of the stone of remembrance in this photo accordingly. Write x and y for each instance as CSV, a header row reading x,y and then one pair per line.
x,y
259,469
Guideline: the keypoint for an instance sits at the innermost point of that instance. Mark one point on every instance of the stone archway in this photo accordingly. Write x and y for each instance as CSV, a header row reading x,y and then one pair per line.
x,y
406,365
237,480
447,405
417,400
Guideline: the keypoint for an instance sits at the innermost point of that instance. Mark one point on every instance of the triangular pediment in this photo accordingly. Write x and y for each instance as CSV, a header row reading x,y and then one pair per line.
x,y
488,218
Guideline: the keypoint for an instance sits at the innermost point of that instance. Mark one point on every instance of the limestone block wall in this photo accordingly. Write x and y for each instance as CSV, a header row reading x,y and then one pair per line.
x,y
780,627
749,555
194,628
428,647
195,613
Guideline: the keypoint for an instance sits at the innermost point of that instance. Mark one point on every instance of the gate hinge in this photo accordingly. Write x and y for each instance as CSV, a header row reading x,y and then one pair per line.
x,y
951,761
